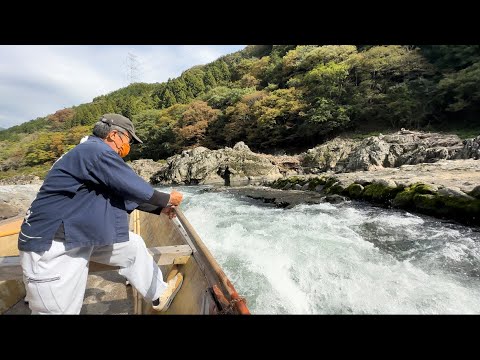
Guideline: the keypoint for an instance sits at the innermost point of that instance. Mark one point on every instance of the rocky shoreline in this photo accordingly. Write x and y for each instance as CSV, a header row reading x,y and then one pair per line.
x,y
241,166
447,189
428,173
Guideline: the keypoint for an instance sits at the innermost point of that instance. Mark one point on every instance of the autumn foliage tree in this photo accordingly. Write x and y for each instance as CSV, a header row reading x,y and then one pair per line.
x,y
61,117
193,123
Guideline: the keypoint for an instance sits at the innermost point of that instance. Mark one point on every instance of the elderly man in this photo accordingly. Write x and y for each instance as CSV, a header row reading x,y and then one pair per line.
x,y
80,214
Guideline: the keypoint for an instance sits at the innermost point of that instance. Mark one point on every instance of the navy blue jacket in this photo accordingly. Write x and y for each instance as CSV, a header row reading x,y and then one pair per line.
x,y
91,190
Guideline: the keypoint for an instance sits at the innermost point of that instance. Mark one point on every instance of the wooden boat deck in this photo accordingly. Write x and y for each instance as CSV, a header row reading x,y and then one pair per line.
x,y
106,294
205,290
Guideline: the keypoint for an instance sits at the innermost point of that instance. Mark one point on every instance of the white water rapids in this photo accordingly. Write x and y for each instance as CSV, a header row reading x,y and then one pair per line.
x,y
349,258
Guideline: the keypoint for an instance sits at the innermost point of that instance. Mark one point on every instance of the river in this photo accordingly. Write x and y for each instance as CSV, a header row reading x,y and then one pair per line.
x,y
350,258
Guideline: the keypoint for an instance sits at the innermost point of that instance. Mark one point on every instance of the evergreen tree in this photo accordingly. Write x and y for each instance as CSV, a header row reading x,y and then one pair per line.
x,y
168,99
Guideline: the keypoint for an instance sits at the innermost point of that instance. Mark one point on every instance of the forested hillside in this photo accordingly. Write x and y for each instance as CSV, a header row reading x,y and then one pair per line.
x,y
272,97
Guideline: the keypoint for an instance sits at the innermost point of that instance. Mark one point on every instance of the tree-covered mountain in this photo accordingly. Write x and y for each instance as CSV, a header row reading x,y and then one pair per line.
x,y
272,97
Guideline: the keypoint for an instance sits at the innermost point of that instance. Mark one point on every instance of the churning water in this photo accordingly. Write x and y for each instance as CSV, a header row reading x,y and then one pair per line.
x,y
350,258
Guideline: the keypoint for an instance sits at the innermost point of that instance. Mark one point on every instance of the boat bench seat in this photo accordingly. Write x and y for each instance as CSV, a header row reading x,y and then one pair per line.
x,y
10,268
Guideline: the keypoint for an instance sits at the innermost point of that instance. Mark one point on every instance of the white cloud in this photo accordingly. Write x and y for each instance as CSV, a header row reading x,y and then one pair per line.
x,y
38,80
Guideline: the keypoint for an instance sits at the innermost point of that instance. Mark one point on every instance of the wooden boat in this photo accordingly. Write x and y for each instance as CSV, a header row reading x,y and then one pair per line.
x,y
173,243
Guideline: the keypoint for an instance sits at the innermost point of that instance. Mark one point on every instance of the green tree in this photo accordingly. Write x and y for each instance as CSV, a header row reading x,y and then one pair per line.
x,y
278,116
384,78
180,90
168,99
194,81
222,96
451,57
240,122
155,128
328,80
461,90
209,80
220,72
325,117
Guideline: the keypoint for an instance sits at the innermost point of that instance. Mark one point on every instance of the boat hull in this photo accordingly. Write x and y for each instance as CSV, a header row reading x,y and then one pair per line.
x,y
205,289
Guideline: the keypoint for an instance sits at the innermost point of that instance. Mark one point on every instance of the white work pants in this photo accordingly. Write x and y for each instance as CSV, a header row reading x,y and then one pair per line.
x,y
56,279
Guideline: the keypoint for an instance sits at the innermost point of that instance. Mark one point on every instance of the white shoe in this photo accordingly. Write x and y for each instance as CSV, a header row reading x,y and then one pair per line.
x,y
166,299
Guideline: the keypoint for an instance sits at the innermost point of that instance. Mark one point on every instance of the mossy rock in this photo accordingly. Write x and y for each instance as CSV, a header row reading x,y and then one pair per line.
x,y
323,180
473,210
296,180
475,192
355,191
461,208
314,182
377,192
278,184
291,182
452,207
420,188
404,199
430,204
362,182
330,181
336,188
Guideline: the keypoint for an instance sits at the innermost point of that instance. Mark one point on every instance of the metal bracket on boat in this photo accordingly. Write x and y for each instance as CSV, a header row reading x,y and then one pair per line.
x,y
231,305
224,306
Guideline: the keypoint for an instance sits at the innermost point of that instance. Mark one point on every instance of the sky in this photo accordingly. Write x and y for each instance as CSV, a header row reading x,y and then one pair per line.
x,y
37,80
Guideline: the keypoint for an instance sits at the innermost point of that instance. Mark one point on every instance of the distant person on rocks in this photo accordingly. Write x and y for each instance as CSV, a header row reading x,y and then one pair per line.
x,y
81,213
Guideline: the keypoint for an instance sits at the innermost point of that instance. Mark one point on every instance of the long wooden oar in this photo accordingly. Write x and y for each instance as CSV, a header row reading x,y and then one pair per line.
x,y
236,300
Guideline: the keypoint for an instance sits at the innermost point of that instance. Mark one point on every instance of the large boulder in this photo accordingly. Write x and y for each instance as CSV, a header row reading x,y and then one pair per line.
x,y
241,146
16,199
226,166
470,150
371,153
145,168
403,147
328,156
7,211
385,151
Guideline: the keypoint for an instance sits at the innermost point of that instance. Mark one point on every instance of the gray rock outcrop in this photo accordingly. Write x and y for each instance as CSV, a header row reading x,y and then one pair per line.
x,y
386,151
470,150
15,199
145,168
237,166
22,180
